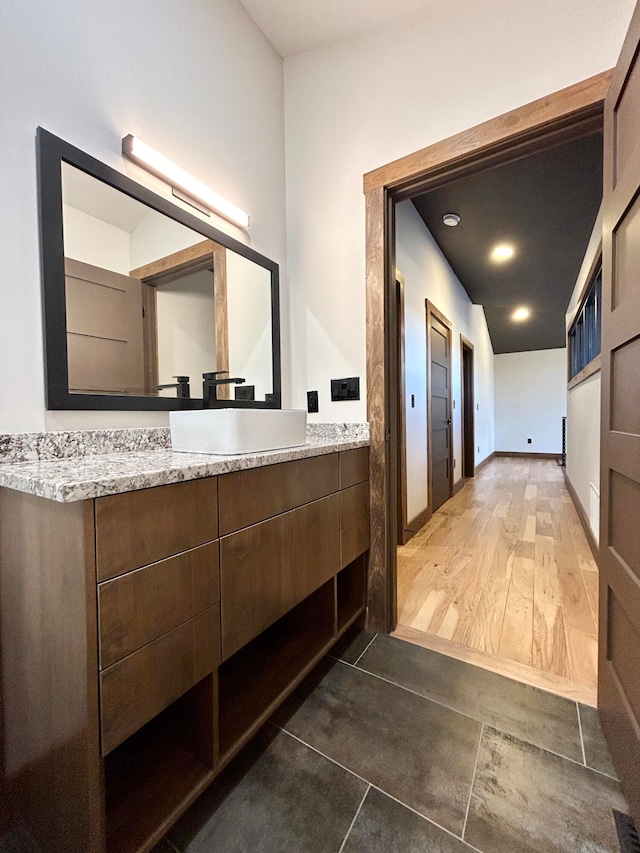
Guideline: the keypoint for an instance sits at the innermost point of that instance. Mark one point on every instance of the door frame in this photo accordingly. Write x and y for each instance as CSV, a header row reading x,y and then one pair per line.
x,y
432,311
404,533
467,405
559,117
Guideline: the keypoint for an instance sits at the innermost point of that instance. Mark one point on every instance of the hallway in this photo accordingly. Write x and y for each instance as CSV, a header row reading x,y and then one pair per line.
x,y
502,576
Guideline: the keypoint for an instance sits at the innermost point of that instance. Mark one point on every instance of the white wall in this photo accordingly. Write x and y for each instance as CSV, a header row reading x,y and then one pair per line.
x,y
530,400
357,105
156,236
197,80
583,439
186,330
583,400
249,318
428,276
93,241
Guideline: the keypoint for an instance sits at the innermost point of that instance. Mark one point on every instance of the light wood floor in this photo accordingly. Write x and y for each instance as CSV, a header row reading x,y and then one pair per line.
x,y
503,576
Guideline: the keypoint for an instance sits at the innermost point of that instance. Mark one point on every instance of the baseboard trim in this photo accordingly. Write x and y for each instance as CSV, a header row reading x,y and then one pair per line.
x,y
416,524
459,486
582,515
484,462
528,455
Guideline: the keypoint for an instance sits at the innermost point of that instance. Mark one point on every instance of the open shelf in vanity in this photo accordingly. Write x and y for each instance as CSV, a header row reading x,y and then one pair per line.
x,y
155,775
215,598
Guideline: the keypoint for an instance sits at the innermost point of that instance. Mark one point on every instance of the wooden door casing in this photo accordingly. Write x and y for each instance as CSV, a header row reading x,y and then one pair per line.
x,y
619,640
557,116
439,420
467,396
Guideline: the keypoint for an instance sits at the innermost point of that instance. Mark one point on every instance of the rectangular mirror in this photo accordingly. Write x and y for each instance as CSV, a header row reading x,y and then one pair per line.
x,y
141,298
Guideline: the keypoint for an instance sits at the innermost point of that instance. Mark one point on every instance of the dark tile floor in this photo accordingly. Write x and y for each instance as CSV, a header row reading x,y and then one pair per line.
x,y
389,747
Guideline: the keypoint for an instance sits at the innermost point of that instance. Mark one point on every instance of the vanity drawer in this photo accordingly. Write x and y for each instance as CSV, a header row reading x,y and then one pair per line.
x,y
354,540
140,686
354,504
268,568
248,497
354,466
138,607
137,528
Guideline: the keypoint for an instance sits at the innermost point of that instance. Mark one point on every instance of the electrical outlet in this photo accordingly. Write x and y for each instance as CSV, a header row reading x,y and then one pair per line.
x,y
345,389
312,401
528,441
478,448
454,463
413,401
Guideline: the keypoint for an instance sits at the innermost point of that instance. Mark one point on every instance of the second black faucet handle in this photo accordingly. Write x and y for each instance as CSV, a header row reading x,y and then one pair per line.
x,y
214,374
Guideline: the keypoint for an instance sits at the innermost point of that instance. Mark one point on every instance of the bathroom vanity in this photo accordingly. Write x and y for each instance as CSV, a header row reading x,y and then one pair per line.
x,y
150,630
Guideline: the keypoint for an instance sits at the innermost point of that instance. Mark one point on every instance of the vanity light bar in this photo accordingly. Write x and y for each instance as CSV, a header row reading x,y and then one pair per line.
x,y
150,159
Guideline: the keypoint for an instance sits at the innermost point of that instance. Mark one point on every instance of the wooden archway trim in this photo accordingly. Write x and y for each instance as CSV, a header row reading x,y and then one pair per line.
x,y
206,254
570,111
509,127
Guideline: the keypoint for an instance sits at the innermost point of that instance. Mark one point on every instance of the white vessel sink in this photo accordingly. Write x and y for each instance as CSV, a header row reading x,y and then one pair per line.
x,y
230,431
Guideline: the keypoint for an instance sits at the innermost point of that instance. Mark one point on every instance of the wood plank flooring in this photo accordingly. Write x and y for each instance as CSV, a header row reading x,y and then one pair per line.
x,y
504,570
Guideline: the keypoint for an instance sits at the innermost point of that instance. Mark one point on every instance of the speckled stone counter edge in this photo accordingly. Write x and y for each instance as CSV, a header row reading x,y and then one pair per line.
x,y
74,444
142,463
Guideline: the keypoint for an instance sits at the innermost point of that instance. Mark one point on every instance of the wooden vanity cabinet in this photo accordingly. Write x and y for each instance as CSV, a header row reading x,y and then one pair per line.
x,y
148,635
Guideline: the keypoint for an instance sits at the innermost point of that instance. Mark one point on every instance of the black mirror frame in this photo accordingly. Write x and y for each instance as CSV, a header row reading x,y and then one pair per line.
x,y
51,153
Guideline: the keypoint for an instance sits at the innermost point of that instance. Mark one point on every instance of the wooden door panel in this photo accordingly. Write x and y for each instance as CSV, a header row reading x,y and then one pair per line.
x,y
619,641
97,365
439,407
626,121
625,387
624,530
626,247
105,335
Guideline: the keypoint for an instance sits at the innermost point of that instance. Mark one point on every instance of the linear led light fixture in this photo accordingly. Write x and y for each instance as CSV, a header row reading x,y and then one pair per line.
x,y
184,185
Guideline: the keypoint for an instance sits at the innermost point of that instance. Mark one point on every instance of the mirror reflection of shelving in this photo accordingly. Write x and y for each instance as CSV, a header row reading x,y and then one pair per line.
x,y
148,299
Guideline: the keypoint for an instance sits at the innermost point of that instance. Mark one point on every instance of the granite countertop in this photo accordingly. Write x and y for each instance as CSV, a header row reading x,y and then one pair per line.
x,y
49,468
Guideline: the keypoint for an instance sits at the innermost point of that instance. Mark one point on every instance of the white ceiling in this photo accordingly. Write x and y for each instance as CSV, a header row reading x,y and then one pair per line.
x,y
293,26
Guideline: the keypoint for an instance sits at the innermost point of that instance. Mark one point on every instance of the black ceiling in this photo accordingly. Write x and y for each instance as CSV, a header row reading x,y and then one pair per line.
x,y
544,205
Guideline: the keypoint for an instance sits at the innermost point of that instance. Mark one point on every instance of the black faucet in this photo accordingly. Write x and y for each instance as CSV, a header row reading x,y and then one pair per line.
x,y
182,386
210,386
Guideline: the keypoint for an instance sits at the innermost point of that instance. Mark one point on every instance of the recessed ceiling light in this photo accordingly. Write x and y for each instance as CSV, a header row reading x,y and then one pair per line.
x,y
503,252
451,219
521,314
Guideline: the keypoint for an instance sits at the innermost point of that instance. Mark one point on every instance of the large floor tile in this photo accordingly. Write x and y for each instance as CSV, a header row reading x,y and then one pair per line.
x,y
352,644
415,750
527,800
528,713
595,746
277,796
385,826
